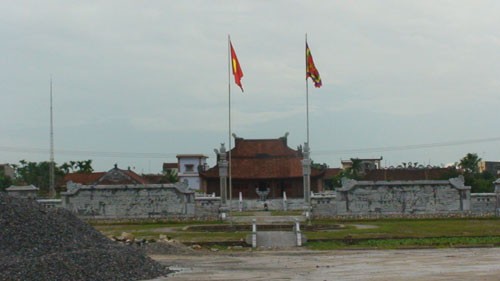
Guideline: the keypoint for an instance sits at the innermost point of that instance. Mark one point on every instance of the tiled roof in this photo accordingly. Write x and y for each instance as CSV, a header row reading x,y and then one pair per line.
x,y
408,174
125,177
191,156
170,166
135,176
263,159
84,178
262,147
332,172
155,179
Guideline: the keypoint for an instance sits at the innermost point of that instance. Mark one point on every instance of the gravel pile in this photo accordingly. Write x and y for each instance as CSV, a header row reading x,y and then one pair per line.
x,y
41,244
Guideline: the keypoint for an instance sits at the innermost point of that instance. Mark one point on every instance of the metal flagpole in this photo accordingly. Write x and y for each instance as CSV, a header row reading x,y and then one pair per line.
x,y
229,136
307,101
306,162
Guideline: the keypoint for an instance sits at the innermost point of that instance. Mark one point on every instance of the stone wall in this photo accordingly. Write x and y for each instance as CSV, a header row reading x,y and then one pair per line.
x,y
354,199
27,191
324,204
122,201
207,206
484,202
403,197
272,204
50,203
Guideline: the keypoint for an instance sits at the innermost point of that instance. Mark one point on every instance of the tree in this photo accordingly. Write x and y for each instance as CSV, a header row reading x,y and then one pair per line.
x,y
336,181
5,181
470,163
353,172
37,174
319,166
171,176
483,182
84,166
479,182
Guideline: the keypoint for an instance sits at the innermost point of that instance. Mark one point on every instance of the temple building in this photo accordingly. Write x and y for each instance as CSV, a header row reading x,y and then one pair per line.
x,y
263,167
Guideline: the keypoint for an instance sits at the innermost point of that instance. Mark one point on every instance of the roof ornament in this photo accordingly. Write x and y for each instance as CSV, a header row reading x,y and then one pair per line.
x,y
221,152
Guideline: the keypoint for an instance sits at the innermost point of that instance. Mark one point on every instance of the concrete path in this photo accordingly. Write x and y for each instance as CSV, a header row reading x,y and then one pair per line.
x,y
276,239
271,239
266,218
411,265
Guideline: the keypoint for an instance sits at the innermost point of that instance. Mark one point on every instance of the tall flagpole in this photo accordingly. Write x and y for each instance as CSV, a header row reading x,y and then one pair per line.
x,y
307,102
306,162
52,191
229,135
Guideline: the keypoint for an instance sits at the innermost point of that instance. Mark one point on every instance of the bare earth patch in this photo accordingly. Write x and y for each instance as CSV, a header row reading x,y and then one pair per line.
x,y
429,264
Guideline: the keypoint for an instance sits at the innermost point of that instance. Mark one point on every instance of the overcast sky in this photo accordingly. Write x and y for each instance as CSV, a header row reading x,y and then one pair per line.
x,y
138,82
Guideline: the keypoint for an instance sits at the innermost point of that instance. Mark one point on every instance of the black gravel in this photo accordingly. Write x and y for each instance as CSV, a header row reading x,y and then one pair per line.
x,y
41,244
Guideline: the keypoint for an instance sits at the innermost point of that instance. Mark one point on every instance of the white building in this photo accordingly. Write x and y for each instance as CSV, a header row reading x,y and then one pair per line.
x,y
190,166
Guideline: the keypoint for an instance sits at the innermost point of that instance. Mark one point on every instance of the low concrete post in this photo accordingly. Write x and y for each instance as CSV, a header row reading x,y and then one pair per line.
x,y
284,201
241,202
254,234
298,233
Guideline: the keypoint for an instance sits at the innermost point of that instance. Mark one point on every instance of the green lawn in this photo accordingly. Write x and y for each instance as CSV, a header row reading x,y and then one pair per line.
x,y
392,228
372,234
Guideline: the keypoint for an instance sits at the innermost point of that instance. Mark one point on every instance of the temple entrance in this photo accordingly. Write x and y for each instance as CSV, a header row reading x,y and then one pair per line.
x,y
263,190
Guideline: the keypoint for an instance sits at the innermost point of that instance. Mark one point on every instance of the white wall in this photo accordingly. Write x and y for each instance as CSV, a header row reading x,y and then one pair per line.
x,y
192,177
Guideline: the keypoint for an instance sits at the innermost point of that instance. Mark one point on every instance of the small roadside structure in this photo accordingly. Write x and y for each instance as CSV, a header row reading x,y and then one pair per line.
x,y
24,191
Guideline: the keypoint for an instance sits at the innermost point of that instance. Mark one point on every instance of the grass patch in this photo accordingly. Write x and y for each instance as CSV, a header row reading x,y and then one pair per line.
x,y
221,237
172,230
376,234
242,214
431,242
414,229
286,213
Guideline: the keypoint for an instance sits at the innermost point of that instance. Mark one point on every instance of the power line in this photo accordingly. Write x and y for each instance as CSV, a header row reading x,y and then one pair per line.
x,y
158,155
88,153
406,147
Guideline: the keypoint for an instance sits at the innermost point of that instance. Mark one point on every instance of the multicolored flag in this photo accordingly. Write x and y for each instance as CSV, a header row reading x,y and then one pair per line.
x,y
311,70
237,72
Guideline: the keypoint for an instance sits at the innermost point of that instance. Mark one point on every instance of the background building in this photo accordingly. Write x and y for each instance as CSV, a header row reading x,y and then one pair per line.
x,y
190,166
264,165
490,166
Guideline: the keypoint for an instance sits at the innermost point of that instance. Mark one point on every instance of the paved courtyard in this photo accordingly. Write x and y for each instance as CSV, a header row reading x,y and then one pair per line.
x,y
429,264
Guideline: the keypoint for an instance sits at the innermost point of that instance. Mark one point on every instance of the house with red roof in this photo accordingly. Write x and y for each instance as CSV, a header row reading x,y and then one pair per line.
x,y
113,176
263,165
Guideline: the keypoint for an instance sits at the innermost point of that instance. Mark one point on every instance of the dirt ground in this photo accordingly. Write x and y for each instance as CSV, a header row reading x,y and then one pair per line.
x,y
429,264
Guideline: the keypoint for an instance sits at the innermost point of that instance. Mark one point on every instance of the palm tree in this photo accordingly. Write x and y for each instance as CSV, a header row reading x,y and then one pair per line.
x,y
171,176
355,168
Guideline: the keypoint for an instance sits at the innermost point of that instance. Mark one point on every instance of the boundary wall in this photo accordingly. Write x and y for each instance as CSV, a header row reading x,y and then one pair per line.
x,y
356,199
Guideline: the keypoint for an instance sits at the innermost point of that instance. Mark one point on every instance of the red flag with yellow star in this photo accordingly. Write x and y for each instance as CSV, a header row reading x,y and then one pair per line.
x,y
235,64
311,70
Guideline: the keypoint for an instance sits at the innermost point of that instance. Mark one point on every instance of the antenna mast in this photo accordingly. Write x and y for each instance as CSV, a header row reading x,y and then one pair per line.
x,y
52,191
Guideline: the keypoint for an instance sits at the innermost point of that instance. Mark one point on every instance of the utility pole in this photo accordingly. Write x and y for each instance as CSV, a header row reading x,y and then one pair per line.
x,y
52,190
